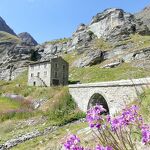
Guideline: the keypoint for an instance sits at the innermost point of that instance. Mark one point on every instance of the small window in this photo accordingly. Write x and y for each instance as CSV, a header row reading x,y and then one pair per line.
x,y
34,83
45,73
32,67
56,65
45,65
56,74
38,74
63,67
31,74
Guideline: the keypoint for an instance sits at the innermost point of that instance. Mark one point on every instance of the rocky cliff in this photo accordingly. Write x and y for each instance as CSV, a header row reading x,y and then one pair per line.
x,y
111,29
14,56
144,15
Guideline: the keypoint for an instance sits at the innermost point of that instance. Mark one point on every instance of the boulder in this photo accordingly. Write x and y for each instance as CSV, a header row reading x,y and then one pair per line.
x,y
89,58
112,65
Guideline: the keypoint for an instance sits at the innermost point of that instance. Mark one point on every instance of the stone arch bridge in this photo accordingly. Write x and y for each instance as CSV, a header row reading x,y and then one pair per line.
x,y
112,95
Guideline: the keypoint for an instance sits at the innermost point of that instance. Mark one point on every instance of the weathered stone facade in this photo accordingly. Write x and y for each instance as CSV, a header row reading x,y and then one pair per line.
x,y
116,94
53,72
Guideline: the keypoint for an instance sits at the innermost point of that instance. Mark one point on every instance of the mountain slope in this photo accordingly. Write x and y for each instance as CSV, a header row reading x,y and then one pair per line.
x,y
6,37
27,39
5,27
144,15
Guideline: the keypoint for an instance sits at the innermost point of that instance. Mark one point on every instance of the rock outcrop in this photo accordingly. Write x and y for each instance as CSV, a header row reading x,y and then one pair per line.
x,y
115,23
15,52
144,15
27,39
4,27
89,58
112,25
14,57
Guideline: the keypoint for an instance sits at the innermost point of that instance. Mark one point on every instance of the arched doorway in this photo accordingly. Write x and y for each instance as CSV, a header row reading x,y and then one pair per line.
x,y
98,99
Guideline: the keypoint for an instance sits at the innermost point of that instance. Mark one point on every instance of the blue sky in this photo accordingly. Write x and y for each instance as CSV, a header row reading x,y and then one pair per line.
x,y
51,19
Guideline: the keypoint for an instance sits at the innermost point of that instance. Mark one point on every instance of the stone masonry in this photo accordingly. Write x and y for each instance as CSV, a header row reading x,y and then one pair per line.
x,y
52,72
116,93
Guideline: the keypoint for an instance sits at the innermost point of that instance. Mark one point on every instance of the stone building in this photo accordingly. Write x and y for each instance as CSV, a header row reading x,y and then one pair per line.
x,y
52,72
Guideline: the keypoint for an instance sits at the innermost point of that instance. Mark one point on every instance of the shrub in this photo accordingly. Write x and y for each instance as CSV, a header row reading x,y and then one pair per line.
x,y
102,44
64,109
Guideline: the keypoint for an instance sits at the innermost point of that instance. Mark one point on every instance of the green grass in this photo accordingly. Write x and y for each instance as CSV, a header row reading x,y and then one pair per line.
x,y
71,57
63,109
8,104
12,86
62,40
139,41
6,37
97,74
102,45
145,105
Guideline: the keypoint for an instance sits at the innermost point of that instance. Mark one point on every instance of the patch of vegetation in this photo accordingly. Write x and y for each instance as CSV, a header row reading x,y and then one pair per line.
x,y
17,86
97,74
63,109
71,57
18,115
7,104
139,41
145,105
62,40
102,45
6,37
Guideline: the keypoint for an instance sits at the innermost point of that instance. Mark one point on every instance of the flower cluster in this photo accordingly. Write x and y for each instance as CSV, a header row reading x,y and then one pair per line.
x,y
94,117
99,147
145,134
72,143
113,131
128,116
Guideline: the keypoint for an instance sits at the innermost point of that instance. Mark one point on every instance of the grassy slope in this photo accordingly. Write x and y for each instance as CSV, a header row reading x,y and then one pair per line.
x,y
8,104
6,37
97,74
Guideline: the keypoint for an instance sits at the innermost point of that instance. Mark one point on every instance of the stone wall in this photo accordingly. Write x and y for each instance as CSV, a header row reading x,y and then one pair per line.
x,y
116,93
44,73
43,79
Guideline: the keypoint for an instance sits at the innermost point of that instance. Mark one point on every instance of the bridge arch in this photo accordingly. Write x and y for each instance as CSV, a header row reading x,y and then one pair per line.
x,y
98,99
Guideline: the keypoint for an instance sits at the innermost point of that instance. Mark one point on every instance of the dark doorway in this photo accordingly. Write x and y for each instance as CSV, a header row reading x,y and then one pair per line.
x,y
55,82
98,99
34,83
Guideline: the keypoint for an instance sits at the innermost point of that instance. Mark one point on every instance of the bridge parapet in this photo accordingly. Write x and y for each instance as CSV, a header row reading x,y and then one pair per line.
x,y
131,82
116,93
